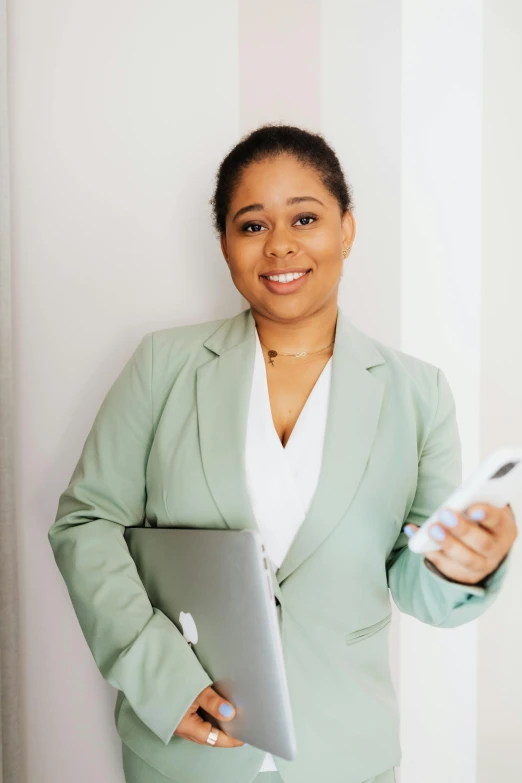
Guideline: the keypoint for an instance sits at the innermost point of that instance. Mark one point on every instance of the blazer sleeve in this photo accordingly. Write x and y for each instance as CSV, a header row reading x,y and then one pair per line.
x,y
417,588
137,649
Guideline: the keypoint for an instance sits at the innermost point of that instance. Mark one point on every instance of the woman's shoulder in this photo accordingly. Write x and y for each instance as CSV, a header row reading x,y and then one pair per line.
x,y
406,375
180,346
411,380
186,334
398,363
407,363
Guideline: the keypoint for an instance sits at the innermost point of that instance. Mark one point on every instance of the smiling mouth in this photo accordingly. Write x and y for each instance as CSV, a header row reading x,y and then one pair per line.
x,y
288,277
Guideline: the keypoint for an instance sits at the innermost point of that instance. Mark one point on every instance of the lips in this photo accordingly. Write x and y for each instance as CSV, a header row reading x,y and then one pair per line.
x,y
291,287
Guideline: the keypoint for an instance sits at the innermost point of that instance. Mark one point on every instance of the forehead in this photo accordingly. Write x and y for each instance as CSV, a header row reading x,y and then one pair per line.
x,y
274,180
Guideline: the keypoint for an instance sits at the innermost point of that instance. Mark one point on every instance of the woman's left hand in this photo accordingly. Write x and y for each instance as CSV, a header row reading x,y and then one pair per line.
x,y
471,550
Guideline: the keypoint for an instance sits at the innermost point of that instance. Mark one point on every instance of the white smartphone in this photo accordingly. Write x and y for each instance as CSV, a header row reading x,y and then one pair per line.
x,y
497,481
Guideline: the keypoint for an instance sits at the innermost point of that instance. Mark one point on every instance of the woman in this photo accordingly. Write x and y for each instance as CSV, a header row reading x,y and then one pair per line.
x,y
286,419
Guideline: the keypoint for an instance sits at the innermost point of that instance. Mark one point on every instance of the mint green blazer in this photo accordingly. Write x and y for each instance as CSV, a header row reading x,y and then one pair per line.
x,y
167,445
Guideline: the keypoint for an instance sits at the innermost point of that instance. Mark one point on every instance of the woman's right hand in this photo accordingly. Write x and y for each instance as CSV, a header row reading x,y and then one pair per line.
x,y
194,728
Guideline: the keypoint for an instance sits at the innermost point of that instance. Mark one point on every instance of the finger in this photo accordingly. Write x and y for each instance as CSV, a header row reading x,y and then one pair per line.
x,y
456,560
218,707
197,729
486,515
223,740
500,520
477,538
449,567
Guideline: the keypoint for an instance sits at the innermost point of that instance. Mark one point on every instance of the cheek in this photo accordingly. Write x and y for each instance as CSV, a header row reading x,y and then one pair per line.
x,y
327,254
330,270
245,279
242,261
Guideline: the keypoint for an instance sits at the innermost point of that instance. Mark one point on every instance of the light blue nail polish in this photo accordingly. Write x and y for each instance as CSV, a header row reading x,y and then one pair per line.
x,y
437,532
409,531
478,514
448,517
226,710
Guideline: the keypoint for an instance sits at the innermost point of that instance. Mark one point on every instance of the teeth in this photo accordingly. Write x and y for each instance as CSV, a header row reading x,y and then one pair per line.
x,y
286,278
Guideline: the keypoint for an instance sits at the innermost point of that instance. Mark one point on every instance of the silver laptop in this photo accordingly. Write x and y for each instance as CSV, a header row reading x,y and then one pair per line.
x,y
215,586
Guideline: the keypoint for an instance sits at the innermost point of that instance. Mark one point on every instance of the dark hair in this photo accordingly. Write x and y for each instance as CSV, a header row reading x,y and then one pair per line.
x,y
269,141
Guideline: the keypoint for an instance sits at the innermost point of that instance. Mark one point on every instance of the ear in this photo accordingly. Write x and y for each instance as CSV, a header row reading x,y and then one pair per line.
x,y
223,243
348,228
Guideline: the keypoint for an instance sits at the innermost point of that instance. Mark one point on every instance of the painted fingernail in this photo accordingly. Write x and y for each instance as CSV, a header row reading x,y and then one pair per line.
x,y
226,710
437,532
448,517
409,531
477,514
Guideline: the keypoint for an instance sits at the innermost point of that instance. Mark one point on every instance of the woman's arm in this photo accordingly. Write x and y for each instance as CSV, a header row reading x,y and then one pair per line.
x,y
416,588
136,647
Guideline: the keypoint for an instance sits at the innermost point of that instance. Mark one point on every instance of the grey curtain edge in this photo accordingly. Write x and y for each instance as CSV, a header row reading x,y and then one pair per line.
x,y
10,648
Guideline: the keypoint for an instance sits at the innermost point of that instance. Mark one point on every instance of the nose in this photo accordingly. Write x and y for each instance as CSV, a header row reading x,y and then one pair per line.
x,y
281,244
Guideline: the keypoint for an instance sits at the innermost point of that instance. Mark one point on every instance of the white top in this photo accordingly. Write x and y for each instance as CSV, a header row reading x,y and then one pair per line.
x,y
281,481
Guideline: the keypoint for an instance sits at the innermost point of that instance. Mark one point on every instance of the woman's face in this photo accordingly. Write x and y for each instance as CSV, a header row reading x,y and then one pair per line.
x,y
273,237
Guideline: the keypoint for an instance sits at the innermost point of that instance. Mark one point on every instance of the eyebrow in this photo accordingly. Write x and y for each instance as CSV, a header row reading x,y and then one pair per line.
x,y
292,200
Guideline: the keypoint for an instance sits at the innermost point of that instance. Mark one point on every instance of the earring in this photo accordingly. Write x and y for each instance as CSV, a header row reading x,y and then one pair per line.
x,y
345,252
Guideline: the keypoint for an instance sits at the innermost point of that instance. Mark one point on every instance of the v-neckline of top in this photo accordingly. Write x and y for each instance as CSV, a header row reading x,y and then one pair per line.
x,y
304,410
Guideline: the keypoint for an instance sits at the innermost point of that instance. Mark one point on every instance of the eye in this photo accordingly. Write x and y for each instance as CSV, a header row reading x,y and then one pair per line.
x,y
305,216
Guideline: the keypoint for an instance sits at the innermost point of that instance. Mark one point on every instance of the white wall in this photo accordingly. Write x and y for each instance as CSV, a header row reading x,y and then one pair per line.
x,y
114,148
499,691
441,316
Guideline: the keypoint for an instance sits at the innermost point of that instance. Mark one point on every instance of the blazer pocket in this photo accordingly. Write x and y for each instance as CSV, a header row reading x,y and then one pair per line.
x,y
363,633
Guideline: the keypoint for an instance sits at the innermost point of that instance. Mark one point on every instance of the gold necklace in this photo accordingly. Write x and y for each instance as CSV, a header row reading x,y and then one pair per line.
x,y
272,354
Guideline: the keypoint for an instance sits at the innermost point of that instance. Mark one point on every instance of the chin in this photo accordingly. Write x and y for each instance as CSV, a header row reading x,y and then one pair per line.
x,y
287,310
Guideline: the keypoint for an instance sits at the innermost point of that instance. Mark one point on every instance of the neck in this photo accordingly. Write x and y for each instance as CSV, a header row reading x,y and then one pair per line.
x,y
310,333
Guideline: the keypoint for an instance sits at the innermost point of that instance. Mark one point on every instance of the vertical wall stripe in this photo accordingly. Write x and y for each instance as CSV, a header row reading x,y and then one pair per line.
x,y
499,714
441,297
279,63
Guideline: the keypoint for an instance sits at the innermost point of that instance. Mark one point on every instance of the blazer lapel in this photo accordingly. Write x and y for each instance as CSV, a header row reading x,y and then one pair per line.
x,y
353,413
223,394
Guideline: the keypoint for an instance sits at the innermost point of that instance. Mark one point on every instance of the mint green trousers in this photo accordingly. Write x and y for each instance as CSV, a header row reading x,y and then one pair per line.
x,y
136,770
